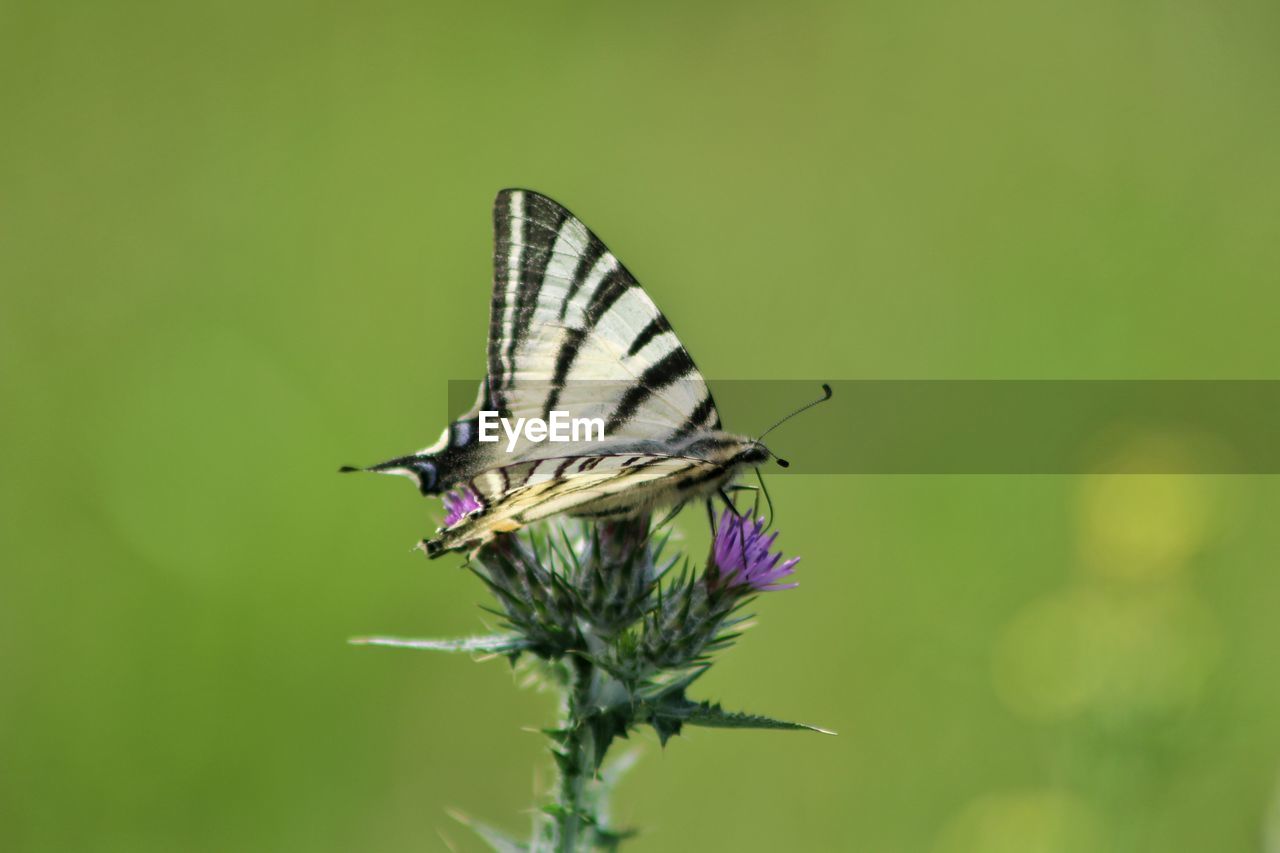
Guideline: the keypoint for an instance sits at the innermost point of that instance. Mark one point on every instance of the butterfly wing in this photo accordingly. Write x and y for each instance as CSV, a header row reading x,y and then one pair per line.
x,y
456,454
570,329
612,486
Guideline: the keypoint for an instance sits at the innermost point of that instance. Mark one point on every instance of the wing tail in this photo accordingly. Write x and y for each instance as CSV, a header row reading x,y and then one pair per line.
x,y
423,469
456,456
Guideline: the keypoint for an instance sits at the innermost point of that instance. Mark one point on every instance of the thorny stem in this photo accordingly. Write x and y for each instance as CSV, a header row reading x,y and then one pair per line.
x,y
620,642
622,639
576,818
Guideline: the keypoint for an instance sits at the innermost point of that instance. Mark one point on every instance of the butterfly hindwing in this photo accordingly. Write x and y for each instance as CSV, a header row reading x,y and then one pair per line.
x,y
611,486
455,455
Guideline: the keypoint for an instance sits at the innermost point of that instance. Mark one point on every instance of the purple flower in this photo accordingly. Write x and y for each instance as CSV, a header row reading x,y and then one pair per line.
x,y
741,555
458,504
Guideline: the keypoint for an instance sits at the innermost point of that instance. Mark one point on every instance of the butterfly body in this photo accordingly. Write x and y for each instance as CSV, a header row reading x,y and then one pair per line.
x,y
626,482
571,330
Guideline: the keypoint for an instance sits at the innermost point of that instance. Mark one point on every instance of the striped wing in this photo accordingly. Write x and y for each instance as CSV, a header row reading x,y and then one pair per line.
x,y
571,329
598,486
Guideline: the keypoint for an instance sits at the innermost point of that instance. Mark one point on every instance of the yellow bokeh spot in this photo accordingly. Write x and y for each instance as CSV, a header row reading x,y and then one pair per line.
x,y
1034,821
1141,527
1140,524
1115,656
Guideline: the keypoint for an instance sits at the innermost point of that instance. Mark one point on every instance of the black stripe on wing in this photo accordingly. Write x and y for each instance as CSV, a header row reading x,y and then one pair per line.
x,y
656,326
587,261
525,227
491,485
528,232
543,220
503,249
610,290
704,416
668,370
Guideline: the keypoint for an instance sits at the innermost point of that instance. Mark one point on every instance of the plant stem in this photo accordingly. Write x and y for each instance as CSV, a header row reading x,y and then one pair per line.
x,y
576,818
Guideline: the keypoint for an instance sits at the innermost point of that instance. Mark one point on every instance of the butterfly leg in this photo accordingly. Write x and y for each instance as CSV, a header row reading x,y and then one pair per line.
x,y
728,502
742,487
768,501
742,528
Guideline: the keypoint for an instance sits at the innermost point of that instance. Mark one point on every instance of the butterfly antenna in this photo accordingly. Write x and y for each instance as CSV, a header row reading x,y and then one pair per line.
x,y
826,395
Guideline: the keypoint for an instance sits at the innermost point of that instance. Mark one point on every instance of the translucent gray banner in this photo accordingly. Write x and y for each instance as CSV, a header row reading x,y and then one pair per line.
x,y
990,426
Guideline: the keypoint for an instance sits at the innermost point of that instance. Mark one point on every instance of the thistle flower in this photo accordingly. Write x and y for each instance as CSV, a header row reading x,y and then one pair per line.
x,y
597,611
741,555
458,504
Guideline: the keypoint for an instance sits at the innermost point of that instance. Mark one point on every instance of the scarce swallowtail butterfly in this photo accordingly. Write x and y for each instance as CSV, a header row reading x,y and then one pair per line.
x,y
571,329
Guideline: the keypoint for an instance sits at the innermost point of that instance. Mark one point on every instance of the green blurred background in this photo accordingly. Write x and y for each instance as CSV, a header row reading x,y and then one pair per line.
x,y
242,243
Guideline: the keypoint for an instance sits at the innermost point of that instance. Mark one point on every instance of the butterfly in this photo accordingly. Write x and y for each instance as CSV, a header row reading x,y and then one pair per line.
x,y
571,329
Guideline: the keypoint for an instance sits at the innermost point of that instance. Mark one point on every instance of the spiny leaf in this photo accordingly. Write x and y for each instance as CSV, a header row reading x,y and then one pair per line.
x,y
557,735
565,762
611,774
497,840
666,727
610,839
570,552
493,644
605,727
670,686
713,716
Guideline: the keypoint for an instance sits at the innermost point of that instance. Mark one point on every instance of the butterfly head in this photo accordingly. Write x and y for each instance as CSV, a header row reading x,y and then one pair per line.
x,y
753,452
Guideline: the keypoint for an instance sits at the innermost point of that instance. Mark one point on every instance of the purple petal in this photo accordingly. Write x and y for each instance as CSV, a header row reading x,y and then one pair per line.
x,y
458,504
743,555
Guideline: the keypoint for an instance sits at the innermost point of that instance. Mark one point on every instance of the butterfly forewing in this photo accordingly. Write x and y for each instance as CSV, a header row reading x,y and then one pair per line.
x,y
571,329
